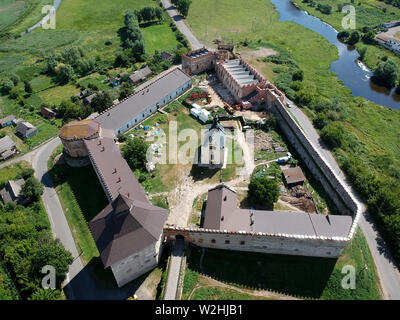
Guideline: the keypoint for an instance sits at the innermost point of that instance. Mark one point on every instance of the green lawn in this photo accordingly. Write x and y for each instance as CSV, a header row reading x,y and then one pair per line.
x,y
11,171
303,277
80,203
10,10
92,15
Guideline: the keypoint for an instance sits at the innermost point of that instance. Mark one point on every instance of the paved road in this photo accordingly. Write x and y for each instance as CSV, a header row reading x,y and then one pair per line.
x,y
171,287
179,21
387,270
59,224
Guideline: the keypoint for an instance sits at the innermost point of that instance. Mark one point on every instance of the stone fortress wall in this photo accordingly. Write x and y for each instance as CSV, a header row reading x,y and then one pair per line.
x,y
285,243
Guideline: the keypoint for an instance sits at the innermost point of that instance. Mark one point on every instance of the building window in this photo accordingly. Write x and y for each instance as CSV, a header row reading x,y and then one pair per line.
x,y
213,241
200,241
227,242
242,242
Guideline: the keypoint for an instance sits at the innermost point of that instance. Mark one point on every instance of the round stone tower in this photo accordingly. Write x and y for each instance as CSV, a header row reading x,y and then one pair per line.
x,y
72,136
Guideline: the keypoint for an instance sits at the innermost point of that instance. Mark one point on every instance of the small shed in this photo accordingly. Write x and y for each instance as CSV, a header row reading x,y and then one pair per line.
x,y
47,113
7,121
7,148
293,176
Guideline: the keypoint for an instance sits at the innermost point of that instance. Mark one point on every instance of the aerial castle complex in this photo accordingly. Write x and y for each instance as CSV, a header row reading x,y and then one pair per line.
x,y
130,232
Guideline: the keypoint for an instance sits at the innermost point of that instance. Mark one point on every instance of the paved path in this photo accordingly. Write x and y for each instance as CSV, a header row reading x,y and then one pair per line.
x,y
175,264
387,270
179,21
58,221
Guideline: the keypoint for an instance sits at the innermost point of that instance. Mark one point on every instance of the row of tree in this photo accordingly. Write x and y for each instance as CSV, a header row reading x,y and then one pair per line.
x,y
132,37
182,6
149,14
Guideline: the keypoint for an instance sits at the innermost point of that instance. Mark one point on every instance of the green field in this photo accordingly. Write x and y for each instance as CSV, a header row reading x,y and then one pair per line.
x,y
369,13
107,15
302,277
10,10
80,203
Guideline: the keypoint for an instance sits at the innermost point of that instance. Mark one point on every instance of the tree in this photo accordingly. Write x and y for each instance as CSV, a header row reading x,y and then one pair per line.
x,y
32,189
14,78
122,60
65,73
387,72
183,7
51,252
159,13
263,191
6,86
134,151
369,37
28,86
298,75
320,121
125,91
101,102
45,294
362,52
332,135
354,38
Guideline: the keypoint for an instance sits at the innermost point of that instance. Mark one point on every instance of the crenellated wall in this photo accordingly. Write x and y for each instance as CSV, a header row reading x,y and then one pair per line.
x,y
258,242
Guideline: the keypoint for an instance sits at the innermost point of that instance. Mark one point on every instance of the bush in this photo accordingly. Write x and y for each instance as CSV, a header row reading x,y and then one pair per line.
x,y
333,135
387,72
6,86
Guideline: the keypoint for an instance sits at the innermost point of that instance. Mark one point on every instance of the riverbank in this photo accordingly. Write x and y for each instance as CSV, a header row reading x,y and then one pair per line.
x,y
370,13
364,135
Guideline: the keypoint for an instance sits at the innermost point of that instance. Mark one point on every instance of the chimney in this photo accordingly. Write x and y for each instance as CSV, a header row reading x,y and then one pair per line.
x,y
99,143
102,149
119,179
115,170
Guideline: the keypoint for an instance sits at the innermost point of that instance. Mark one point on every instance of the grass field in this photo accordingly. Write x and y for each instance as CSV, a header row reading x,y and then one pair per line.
x,y
20,15
107,15
81,204
303,277
10,10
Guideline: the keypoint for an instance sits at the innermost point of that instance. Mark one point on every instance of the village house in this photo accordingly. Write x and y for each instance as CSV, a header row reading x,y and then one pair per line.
x,y
7,148
12,192
140,75
213,149
26,129
167,56
293,176
7,121
89,98
137,107
16,121
47,113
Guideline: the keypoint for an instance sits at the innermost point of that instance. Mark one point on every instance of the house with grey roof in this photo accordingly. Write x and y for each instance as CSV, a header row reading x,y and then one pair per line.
x,y
7,121
213,148
140,75
7,148
137,107
12,192
26,129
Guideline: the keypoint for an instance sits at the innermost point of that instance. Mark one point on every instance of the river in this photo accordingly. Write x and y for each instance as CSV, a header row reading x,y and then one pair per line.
x,y
355,75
